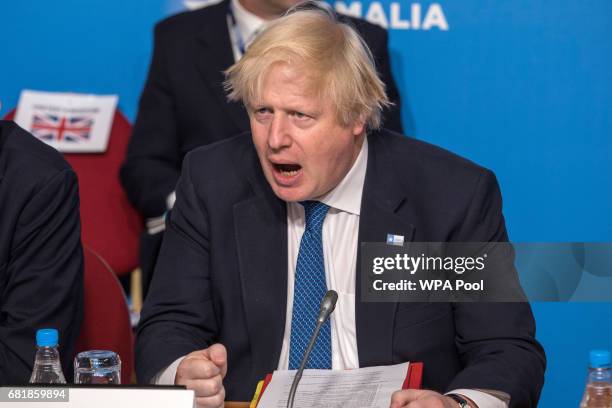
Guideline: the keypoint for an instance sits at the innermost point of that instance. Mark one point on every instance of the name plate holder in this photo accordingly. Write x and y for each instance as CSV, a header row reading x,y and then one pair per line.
x,y
95,396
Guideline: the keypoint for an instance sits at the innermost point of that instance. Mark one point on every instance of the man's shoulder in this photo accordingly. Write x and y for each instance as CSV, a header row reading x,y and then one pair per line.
x,y
27,168
368,31
230,147
411,156
361,23
223,158
225,171
192,21
23,154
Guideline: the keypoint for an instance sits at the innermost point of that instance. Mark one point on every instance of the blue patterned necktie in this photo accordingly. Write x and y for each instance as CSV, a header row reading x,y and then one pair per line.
x,y
308,290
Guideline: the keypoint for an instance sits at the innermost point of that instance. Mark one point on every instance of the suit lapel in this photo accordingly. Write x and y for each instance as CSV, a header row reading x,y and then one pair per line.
x,y
384,211
215,55
261,237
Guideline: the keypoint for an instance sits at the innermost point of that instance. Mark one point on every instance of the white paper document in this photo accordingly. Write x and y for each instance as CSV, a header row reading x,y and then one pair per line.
x,y
69,122
361,388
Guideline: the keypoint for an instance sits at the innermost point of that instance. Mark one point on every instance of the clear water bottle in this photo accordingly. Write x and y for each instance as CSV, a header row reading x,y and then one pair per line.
x,y
47,366
598,392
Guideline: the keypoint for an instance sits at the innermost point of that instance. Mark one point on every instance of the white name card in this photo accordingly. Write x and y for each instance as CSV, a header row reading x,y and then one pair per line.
x,y
69,122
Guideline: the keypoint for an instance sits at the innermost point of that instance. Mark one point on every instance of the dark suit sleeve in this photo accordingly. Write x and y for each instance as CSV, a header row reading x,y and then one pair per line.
x,y
496,341
178,316
44,278
152,166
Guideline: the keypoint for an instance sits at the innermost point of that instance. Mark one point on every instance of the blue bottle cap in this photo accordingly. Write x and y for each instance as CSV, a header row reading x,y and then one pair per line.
x,y
46,338
600,359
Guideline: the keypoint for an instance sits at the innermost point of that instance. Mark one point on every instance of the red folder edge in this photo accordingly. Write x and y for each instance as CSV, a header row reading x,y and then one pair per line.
x,y
413,380
264,386
414,376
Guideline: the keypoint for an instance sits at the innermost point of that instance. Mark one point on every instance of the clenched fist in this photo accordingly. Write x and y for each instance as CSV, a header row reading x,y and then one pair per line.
x,y
203,371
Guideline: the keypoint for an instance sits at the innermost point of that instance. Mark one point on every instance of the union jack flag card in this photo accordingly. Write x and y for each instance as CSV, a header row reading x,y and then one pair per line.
x,y
72,123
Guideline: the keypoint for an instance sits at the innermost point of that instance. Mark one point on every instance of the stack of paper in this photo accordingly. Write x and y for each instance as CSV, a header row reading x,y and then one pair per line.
x,y
360,388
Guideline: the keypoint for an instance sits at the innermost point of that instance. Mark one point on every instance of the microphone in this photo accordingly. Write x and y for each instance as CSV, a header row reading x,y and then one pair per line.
x,y
328,304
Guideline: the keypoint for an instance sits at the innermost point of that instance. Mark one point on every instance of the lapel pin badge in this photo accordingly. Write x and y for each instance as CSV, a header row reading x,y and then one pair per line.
x,y
395,239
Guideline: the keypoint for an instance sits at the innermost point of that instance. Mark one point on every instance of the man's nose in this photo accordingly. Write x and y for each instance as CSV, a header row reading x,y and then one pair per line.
x,y
279,135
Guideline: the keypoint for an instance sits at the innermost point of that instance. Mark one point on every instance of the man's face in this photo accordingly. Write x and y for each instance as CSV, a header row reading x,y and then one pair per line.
x,y
303,150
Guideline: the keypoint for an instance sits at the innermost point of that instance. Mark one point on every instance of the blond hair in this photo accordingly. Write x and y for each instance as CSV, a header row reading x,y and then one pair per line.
x,y
339,64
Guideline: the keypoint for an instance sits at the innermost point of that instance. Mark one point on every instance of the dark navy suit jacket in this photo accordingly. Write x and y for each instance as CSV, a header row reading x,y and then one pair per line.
x,y
41,259
222,272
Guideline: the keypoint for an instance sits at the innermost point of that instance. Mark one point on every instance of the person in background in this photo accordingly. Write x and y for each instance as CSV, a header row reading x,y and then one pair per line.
x,y
264,225
41,258
183,104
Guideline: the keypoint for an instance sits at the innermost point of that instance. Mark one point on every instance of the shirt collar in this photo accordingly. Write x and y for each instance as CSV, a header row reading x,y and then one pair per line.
x,y
248,23
346,196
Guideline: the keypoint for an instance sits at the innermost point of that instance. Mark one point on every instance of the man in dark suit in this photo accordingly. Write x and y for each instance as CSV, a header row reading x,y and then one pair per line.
x,y
41,259
183,104
263,226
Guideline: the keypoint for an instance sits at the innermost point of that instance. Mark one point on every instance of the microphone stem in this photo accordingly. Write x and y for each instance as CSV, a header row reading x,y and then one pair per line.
x,y
298,374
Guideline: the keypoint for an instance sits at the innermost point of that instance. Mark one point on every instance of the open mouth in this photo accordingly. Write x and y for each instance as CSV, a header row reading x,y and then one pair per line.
x,y
286,169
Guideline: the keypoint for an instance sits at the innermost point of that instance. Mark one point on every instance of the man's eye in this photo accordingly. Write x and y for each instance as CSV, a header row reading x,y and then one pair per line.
x,y
300,115
262,110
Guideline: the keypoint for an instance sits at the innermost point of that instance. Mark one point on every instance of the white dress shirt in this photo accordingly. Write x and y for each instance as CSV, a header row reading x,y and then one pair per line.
x,y
340,235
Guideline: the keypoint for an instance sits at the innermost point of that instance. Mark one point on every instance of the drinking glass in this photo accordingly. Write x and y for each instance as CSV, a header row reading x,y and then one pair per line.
x,y
97,367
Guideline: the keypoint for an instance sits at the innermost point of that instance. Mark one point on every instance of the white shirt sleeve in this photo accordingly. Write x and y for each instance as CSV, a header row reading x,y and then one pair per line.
x,y
170,200
167,375
482,399
155,225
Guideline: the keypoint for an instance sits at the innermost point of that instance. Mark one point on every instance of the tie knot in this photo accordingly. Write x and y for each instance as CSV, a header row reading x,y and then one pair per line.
x,y
315,214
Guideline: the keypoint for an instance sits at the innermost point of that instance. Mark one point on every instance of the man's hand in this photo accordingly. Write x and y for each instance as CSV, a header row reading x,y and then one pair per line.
x,y
203,371
421,399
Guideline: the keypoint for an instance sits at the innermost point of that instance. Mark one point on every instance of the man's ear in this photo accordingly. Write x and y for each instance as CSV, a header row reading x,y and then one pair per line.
x,y
358,127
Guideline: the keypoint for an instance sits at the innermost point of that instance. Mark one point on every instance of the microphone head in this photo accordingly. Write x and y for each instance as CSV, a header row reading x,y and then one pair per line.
x,y
328,304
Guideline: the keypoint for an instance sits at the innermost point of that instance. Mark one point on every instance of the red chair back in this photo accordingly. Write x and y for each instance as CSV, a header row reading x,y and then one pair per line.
x,y
110,225
106,319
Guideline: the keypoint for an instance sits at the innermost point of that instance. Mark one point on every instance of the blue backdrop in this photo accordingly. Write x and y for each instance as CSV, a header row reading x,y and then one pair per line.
x,y
523,87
